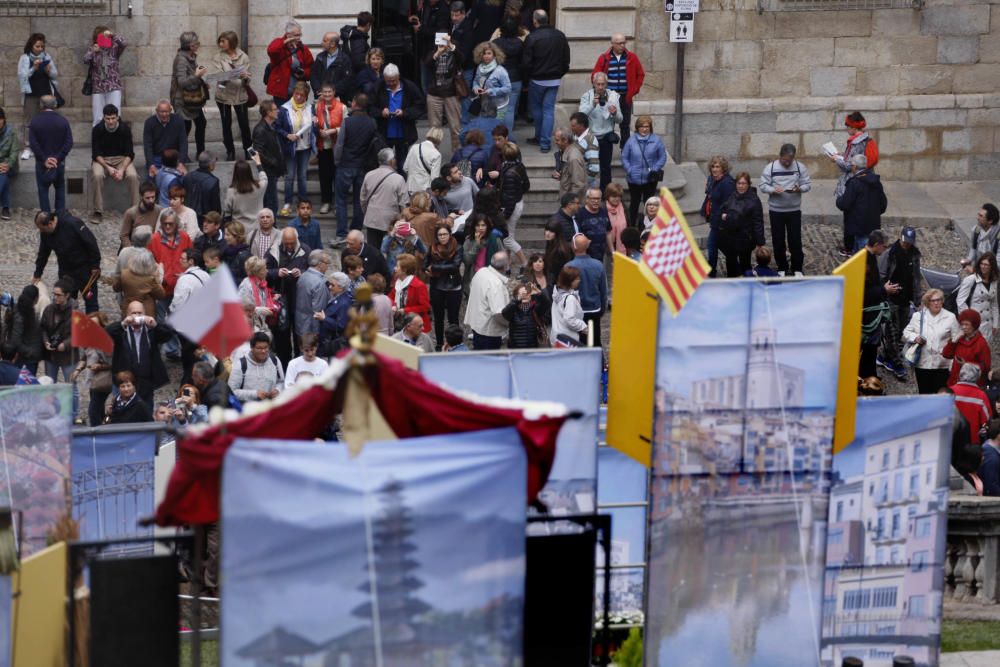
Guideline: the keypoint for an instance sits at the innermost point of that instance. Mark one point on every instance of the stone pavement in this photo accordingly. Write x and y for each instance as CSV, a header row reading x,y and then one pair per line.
x,y
971,659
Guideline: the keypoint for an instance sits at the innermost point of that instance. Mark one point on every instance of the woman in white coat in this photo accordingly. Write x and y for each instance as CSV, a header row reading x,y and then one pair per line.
x,y
567,313
979,292
931,328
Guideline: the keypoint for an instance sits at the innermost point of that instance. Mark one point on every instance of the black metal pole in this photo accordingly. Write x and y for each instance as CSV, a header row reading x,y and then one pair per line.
x,y
679,103
196,564
245,24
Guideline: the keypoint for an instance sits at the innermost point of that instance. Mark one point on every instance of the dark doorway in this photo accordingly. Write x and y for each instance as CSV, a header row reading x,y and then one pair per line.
x,y
394,35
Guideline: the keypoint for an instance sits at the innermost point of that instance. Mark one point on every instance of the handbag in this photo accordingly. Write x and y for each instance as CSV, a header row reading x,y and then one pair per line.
x,y
911,354
60,101
613,137
461,87
252,100
653,176
196,98
88,83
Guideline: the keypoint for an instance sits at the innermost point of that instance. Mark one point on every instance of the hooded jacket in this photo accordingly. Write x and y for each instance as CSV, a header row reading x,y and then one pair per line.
x,y
863,203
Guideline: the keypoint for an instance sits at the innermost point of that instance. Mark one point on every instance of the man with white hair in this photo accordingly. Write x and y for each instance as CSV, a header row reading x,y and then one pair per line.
x,y
488,296
372,259
312,294
413,334
51,139
291,62
204,193
383,197
603,108
397,104
265,236
970,400
163,130
863,202
625,76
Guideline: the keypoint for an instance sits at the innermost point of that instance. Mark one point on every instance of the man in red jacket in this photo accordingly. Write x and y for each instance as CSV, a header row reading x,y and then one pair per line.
x,y
291,62
972,401
625,75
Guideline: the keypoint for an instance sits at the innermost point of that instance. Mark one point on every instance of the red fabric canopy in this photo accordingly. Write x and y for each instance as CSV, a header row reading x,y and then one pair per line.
x,y
411,405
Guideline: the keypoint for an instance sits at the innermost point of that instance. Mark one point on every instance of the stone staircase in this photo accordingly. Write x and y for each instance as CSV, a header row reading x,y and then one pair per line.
x,y
684,180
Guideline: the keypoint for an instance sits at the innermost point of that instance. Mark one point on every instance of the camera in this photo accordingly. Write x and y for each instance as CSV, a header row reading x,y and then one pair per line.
x,y
603,99
56,341
299,73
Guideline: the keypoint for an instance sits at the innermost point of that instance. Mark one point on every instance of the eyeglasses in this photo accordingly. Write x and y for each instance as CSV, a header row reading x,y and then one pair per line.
x,y
936,300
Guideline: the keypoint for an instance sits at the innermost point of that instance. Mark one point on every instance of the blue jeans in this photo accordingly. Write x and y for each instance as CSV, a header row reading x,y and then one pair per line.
x,y
713,246
52,371
511,111
467,74
348,179
543,107
5,190
860,241
297,166
43,190
271,193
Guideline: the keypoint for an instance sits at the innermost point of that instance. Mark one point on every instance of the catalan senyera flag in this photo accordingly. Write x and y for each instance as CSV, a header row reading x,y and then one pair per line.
x,y
671,260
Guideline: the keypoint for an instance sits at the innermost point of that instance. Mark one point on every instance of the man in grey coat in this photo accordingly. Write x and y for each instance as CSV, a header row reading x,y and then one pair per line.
x,y
784,180
383,197
311,293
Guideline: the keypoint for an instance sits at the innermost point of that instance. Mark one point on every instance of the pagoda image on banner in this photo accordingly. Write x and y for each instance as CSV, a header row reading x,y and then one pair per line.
x,y
394,609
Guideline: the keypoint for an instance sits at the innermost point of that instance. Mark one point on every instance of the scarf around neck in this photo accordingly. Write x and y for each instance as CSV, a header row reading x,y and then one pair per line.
x,y
401,286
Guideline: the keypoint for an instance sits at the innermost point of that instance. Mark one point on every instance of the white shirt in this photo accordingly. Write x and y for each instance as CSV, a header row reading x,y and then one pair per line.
x,y
487,297
300,365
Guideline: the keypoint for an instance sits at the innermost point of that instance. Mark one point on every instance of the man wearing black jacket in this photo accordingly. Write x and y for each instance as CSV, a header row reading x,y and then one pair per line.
x,y
355,40
113,155
76,251
137,340
544,63
397,105
333,65
371,258
356,133
268,147
464,39
863,202
202,186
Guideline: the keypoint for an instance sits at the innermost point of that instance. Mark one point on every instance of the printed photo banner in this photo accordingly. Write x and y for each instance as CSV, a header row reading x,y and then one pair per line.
x,y
746,391
114,481
35,432
411,553
887,533
570,377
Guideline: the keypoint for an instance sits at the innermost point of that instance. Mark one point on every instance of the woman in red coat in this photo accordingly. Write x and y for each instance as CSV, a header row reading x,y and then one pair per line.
x,y
291,61
970,348
409,293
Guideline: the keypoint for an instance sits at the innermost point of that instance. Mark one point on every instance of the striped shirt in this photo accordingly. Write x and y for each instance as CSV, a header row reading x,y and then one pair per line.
x,y
617,79
591,153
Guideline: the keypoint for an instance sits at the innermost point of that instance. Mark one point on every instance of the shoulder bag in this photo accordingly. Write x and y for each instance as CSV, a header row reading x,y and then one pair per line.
x,y
653,176
912,352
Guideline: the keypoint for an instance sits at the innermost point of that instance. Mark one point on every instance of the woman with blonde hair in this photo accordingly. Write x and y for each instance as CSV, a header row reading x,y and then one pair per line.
x,y
140,281
421,218
490,87
236,251
719,186
930,329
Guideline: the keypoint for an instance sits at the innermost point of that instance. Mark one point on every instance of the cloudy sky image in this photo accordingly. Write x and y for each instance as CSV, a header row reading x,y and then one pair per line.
x,y
295,537
806,318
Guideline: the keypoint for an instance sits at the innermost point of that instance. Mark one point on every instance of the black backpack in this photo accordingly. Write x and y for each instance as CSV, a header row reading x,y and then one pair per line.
x,y
376,144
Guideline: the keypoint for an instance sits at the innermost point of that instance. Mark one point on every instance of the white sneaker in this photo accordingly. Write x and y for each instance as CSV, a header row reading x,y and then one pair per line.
x,y
26,154
798,274
781,273
324,209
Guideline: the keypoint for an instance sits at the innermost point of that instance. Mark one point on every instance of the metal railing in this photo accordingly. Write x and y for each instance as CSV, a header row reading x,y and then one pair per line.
x,y
834,5
38,8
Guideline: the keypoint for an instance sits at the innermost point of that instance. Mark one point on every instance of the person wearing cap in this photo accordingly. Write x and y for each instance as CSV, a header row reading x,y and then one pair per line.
x,y
784,180
969,348
900,265
403,238
859,142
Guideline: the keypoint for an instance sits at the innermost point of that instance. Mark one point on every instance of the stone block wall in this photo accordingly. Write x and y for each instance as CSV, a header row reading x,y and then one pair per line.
x,y
926,80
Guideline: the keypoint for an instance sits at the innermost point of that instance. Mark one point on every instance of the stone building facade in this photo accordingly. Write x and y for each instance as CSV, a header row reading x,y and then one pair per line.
x,y
927,78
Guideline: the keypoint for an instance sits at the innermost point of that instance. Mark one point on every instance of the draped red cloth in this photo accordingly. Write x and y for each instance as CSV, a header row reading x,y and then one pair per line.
x,y
410,404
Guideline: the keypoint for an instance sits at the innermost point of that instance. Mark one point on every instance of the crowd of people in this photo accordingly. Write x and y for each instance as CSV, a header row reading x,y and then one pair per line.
x,y
434,233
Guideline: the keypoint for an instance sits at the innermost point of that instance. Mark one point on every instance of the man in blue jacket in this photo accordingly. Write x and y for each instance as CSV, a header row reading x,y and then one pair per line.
x,y
51,140
593,284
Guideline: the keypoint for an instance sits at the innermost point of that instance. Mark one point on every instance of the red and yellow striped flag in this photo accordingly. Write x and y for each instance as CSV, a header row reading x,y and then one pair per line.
x,y
671,260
